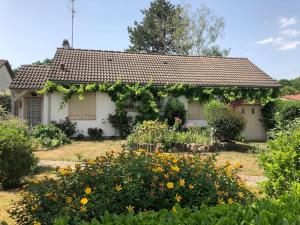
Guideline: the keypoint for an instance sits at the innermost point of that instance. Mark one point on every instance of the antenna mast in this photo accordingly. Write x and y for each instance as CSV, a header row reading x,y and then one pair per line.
x,y
73,14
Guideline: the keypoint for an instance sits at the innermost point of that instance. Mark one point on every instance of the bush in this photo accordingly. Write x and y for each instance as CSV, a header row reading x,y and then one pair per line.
x,y
49,136
5,101
281,161
279,113
131,180
226,123
163,137
121,122
3,113
174,109
16,158
67,126
95,133
286,210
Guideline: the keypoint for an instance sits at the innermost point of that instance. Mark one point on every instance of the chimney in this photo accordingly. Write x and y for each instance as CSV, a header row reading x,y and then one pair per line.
x,y
66,44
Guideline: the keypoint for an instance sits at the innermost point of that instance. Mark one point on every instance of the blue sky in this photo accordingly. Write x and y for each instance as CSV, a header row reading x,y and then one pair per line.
x,y
265,31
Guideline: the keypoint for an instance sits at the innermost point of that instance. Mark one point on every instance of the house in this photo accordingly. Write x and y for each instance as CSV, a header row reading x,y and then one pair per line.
x,y
80,66
6,75
295,97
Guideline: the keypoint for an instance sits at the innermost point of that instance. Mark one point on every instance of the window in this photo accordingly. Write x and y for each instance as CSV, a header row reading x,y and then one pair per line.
x,y
82,109
195,111
253,111
130,105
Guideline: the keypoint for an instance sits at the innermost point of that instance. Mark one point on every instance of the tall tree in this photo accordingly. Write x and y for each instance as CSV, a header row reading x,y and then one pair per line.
x,y
162,24
173,29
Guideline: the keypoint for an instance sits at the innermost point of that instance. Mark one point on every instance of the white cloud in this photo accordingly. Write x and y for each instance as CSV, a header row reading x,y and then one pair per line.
x,y
290,32
270,40
285,22
288,45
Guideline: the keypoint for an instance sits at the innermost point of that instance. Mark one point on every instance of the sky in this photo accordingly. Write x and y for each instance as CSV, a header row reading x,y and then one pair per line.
x,y
265,31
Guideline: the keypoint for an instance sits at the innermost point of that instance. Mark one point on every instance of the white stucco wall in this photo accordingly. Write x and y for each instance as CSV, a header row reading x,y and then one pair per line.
x,y
104,107
5,79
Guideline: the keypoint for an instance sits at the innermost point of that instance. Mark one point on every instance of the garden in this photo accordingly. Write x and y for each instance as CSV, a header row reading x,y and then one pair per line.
x,y
162,173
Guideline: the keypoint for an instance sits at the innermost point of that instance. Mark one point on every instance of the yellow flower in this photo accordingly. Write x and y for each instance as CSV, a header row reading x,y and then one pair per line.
x,y
174,160
166,176
65,171
174,209
37,223
241,194
158,169
178,198
91,162
230,201
118,187
69,200
175,168
191,186
88,190
84,201
220,201
181,182
130,208
170,185
34,207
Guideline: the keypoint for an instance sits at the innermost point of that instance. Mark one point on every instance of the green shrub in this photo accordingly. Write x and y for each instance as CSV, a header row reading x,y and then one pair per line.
x,y
174,109
286,210
16,158
281,161
194,135
67,126
226,123
3,113
279,113
49,136
131,179
95,133
5,101
121,122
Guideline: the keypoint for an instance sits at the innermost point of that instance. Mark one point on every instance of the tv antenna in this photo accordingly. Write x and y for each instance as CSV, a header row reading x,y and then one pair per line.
x,y
72,8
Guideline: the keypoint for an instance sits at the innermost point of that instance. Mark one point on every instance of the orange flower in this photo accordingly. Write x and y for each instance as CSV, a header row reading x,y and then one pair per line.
x,y
181,182
178,198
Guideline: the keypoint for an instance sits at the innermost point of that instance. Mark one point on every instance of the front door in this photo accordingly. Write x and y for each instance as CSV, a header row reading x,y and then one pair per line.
x,y
33,111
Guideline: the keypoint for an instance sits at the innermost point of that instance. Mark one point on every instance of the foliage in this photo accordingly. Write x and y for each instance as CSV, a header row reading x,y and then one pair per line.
x,y
289,86
225,122
173,110
121,122
131,180
5,101
3,113
163,137
285,210
16,158
160,31
278,113
95,133
67,126
149,97
173,29
281,161
50,136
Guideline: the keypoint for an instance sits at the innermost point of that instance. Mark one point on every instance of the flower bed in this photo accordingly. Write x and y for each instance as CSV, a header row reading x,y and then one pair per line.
x,y
132,180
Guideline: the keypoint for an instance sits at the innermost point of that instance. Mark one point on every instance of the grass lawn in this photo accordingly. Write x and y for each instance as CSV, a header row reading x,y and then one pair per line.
x,y
84,149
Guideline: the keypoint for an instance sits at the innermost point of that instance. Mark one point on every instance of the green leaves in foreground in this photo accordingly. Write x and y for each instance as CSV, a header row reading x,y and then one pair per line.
x,y
284,211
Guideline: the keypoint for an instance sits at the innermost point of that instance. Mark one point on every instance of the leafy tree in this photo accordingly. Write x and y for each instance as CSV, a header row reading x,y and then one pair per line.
x,y
173,29
290,86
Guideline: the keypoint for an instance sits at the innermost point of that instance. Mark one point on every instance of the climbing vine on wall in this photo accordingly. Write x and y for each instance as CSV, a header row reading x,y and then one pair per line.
x,y
149,95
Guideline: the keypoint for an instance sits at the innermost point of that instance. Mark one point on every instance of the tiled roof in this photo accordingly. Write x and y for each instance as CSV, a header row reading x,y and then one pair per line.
x,y
31,77
78,66
6,63
292,97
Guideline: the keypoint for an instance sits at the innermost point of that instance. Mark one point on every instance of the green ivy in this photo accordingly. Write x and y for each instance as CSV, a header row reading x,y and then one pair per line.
x,y
149,95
